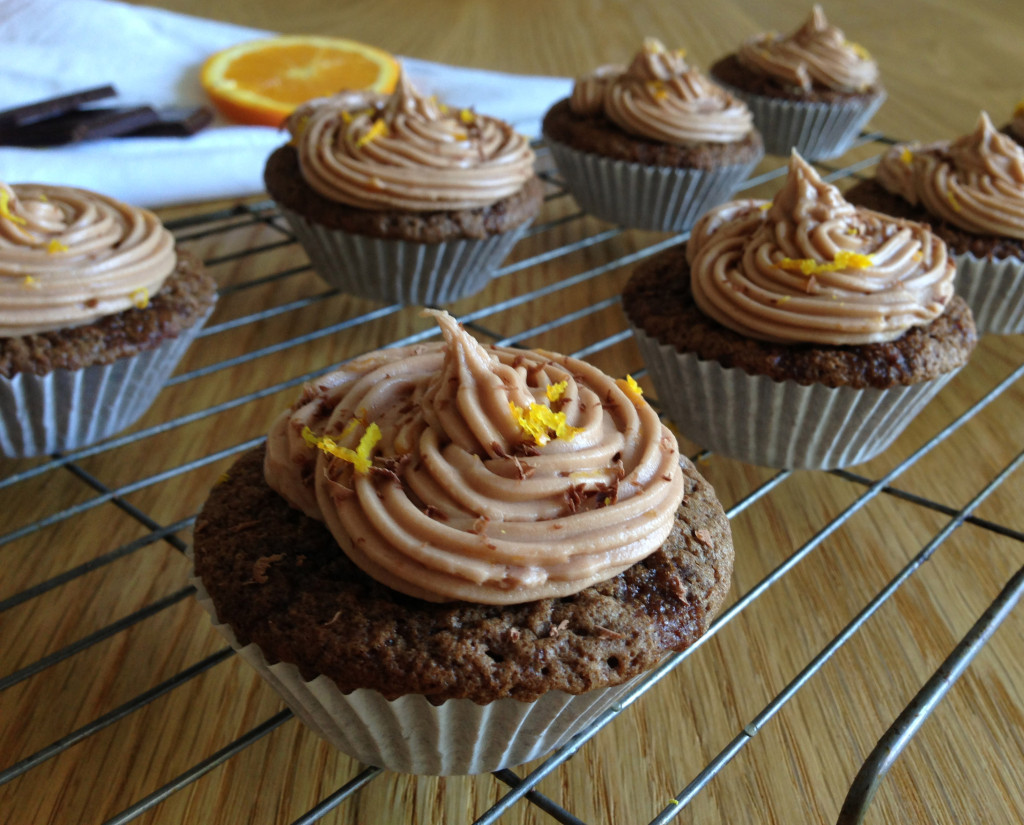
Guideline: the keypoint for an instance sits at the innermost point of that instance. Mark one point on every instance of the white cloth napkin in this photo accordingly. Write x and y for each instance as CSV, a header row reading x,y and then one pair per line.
x,y
153,57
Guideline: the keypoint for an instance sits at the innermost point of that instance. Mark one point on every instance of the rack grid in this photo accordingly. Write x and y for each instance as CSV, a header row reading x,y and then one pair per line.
x,y
103,652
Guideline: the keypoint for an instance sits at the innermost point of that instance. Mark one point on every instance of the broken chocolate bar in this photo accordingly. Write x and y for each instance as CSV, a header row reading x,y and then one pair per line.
x,y
77,126
40,110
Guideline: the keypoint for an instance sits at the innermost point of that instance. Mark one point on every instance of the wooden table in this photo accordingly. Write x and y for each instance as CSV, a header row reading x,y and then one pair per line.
x,y
851,588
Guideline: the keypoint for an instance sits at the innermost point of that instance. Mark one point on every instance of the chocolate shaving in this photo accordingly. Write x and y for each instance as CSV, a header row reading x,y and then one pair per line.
x,y
242,526
261,565
679,588
523,471
574,497
430,511
333,619
556,629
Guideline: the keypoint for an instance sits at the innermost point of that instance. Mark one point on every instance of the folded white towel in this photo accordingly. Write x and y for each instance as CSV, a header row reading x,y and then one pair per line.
x,y
153,57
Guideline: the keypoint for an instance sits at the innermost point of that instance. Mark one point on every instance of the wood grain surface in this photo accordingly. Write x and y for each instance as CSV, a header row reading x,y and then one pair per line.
x,y
95,608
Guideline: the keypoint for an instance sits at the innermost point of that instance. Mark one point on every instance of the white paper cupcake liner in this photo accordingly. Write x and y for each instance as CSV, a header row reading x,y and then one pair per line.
x,y
397,271
779,424
817,131
665,199
994,290
67,409
410,735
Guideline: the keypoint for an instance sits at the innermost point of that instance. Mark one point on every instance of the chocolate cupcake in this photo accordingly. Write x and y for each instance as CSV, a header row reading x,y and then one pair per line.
x,y
450,558
96,309
970,191
812,90
651,145
401,199
800,332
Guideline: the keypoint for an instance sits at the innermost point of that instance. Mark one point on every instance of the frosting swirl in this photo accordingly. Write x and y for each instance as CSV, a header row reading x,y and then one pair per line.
x,y
69,257
975,182
407,152
809,267
495,475
660,97
816,54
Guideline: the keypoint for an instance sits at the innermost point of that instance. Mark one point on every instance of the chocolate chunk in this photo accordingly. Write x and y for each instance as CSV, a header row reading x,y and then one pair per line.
x,y
176,121
80,125
52,107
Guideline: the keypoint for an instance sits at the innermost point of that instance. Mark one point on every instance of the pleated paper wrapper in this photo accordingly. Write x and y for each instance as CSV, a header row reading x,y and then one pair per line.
x,y
410,735
404,272
67,409
994,290
779,424
658,198
817,131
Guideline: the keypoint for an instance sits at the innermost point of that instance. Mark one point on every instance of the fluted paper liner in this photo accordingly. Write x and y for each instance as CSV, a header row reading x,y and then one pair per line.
x,y
67,409
817,131
659,198
994,290
410,735
397,271
779,424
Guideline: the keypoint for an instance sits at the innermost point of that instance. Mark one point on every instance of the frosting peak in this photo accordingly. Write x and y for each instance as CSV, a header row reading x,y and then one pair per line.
x,y
809,267
407,152
660,97
975,182
494,475
816,54
69,257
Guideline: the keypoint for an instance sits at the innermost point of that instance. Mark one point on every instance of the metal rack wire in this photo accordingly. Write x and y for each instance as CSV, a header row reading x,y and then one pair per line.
x,y
207,230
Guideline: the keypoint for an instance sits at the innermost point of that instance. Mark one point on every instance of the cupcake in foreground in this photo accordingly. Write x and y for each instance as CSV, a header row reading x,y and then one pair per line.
x,y
399,198
812,90
799,332
970,191
96,309
450,558
651,145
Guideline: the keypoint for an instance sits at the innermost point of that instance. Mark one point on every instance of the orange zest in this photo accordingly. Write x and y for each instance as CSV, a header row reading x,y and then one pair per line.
x,y
260,82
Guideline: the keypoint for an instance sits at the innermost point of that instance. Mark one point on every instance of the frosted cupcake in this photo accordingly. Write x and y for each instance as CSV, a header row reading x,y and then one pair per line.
x,y
449,558
970,191
96,309
799,332
400,198
812,90
651,145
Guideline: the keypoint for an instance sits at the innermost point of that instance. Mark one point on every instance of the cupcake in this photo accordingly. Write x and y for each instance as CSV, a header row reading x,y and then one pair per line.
x,y
970,191
449,558
799,332
1015,128
96,309
651,145
811,91
401,199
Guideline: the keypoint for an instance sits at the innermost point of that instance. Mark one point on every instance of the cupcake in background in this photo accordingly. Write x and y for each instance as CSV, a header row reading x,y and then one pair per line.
x,y
1015,128
970,191
96,309
812,90
651,145
449,558
400,198
800,332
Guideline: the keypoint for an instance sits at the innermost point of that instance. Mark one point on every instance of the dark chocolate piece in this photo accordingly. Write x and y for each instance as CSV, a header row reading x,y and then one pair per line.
x,y
77,126
52,107
176,121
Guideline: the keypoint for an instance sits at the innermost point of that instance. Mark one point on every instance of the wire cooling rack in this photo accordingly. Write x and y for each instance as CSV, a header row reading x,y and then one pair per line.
x,y
118,704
